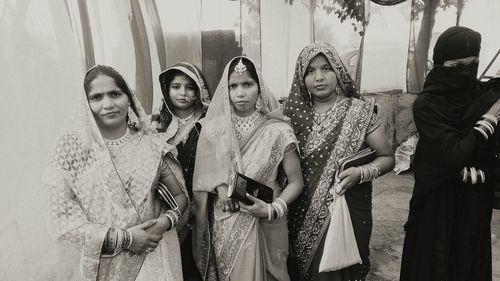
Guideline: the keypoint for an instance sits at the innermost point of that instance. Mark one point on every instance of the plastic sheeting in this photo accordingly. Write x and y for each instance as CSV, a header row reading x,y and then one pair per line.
x,y
41,76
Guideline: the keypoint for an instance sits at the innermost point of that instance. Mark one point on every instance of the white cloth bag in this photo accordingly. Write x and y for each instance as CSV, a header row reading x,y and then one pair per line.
x,y
341,249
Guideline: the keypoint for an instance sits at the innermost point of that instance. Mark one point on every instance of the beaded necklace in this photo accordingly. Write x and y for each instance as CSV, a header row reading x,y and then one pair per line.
x,y
114,146
243,125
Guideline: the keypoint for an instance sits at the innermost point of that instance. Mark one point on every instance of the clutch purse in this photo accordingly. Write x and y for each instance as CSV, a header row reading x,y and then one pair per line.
x,y
363,157
167,197
242,185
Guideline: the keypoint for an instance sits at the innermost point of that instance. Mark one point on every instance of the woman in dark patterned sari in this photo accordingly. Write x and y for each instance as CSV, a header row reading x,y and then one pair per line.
x,y
185,101
331,122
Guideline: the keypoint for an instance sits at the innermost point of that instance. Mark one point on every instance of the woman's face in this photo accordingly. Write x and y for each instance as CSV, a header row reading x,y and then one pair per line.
x,y
108,103
320,79
243,93
182,92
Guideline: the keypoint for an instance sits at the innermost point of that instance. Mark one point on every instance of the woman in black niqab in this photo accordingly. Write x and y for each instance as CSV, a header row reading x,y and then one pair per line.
x,y
448,233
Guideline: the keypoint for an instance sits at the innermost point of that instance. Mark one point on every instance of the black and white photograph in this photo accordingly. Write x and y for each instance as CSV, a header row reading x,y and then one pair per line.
x,y
250,140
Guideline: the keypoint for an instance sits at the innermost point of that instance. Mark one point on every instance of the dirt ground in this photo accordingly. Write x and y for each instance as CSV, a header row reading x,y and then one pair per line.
x,y
391,195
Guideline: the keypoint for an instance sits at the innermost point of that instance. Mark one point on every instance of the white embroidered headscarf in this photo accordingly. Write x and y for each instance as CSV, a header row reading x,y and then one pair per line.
x,y
81,191
218,153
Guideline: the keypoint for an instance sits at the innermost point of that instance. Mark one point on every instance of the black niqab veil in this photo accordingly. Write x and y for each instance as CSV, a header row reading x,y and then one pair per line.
x,y
451,90
440,111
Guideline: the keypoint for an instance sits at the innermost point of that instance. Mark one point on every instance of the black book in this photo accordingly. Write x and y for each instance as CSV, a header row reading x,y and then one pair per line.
x,y
363,157
243,185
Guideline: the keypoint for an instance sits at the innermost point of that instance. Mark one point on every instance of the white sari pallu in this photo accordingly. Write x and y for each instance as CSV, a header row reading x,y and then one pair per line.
x,y
94,185
238,246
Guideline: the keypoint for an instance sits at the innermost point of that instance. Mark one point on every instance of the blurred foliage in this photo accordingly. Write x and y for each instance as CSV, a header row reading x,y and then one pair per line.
x,y
418,6
343,9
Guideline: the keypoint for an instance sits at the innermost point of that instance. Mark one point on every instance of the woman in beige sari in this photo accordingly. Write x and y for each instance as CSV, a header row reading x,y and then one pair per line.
x,y
244,131
101,181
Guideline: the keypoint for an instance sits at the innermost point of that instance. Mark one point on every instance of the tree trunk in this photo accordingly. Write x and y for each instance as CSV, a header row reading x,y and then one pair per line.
x,y
418,60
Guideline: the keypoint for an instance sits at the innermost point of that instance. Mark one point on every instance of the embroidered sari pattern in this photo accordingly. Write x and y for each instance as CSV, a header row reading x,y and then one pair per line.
x,y
317,217
340,134
88,192
259,162
219,144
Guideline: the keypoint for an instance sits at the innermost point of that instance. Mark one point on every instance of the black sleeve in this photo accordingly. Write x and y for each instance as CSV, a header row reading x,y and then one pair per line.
x,y
450,146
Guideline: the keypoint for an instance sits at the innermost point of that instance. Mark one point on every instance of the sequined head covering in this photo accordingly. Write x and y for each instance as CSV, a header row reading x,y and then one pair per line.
x,y
217,142
299,104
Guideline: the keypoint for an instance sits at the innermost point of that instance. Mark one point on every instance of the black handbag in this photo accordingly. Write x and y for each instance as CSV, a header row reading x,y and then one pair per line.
x,y
242,185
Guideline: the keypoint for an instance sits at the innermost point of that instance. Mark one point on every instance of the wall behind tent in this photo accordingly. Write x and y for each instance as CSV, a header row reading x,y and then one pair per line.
x,y
46,46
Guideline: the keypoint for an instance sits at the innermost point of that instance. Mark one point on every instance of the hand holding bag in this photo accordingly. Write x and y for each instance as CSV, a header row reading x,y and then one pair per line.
x,y
341,249
241,185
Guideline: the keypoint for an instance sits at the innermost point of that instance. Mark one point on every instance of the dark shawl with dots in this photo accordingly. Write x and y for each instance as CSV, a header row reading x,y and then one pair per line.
x,y
351,119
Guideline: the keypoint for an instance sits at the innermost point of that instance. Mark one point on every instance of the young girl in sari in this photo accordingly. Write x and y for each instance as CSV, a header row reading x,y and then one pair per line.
x,y
101,181
244,131
331,122
185,101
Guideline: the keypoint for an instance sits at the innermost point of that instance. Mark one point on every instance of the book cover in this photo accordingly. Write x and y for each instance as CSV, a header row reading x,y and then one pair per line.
x,y
243,184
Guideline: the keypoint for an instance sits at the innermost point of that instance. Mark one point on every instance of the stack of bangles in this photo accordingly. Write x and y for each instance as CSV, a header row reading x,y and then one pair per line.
x,y
117,239
277,209
368,172
473,175
174,216
486,126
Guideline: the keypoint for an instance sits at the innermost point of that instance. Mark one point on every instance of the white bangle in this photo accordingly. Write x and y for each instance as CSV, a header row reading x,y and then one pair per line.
x,y
491,117
482,176
172,220
464,178
279,209
479,129
473,175
362,174
269,214
283,203
131,238
486,125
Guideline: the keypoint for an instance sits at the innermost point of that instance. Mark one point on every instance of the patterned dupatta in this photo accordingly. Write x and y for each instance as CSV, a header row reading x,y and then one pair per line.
x,y
88,195
219,156
167,121
340,135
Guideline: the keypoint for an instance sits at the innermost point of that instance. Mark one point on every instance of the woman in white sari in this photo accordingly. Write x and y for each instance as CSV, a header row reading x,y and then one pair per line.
x,y
101,181
244,131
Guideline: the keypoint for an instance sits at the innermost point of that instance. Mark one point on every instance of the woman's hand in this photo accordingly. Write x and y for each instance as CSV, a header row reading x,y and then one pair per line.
x,y
162,224
347,179
228,204
259,209
143,241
